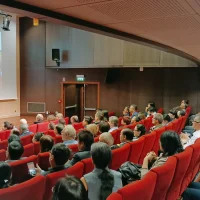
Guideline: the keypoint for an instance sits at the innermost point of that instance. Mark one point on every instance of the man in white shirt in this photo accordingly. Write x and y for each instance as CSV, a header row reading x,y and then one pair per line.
x,y
113,122
186,140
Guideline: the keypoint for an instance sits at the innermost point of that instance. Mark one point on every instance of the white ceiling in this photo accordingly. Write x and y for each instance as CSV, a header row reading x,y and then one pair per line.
x,y
175,23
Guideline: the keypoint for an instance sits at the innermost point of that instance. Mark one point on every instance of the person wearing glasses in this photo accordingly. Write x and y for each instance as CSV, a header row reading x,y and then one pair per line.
x,y
139,131
185,139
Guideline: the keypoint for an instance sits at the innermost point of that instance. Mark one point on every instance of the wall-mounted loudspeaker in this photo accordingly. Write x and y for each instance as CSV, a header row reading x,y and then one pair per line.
x,y
56,56
112,75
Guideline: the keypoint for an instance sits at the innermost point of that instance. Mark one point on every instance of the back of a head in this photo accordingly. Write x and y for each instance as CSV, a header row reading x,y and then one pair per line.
x,y
166,118
105,115
70,188
8,125
13,137
127,120
88,119
114,120
69,130
93,128
23,121
59,115
104,127
15,131
159,117
50,118
62,121
38,135
59,128
39,117
128,133
5,174
61,153
24,127
46,143
15,150
99,115
87,138
75,118
171,143
107,138
142,129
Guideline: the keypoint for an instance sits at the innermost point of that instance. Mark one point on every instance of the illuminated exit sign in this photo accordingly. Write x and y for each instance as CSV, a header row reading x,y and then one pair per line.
x,y
80,78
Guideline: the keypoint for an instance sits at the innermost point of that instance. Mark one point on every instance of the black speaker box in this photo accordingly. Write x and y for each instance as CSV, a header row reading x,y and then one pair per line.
x,y
112,75
55,54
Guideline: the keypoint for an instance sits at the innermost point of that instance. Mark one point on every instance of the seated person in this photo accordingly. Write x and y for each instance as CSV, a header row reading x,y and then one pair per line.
x,y
133,111
151,111
186,140
183,105
59,155
98,117
126,111
5,175
14,137
126,136
141,115
58,129
149,105
37,136
23,121
93,128
180,113
51,126
175,147
166,120
74,119
70,188
113,122
85,140
7,126
104,127
172,114
14,151
107,138
157,121
139,131
105,115
135,119
102,181
69,135
59,116
62,121
24,130
39,119
126,120
46,143
51,118
87,120
15,131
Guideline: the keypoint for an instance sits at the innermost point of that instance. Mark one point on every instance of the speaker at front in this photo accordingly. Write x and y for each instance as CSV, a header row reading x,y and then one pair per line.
x,y
56,56
112,75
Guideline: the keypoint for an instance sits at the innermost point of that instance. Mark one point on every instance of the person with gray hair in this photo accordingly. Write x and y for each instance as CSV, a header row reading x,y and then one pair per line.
x,y
69,135
23,121
157,121
39,118
24,130
113,122
106,138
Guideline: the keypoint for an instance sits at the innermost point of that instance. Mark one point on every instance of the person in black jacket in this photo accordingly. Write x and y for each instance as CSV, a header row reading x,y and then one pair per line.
x,y
85,140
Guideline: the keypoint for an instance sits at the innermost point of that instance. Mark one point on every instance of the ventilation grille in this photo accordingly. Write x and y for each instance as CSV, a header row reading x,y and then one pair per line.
x,y
35,107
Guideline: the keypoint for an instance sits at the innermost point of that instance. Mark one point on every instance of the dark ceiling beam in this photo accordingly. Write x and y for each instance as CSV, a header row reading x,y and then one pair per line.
x,y
89,26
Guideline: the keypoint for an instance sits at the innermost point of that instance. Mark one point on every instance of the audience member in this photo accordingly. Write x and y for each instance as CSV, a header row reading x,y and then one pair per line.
x,y
180,113
7,126
107,138
85,140
141,115
23,121
149,105
51,126
62,121
172,114
59,116
133,110
69,135
24,130
104,127
14,151
51,118
126,136
183,105
151,111
135,119
93,128
39,119
186,140
58,129
98,117
15,131
166,120
46,143
59,155
14,137
105,115
157,121
74,119
126,120
168,137
139,131
113,122
70,188
87,120
5,175
37,136
102,181
126,111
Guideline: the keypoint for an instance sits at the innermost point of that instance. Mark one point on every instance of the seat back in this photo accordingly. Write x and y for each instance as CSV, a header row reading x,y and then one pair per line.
x,y
33,128
32,189
7,134
66,120
3,135
43,160
165,175
135,190
74,148
131,126
36,148
169,127
148,145
58,139
51,179
180,123
26,140
2,155
28,150
182,164
120,156
114,196
184,119
175,125
78,126
51,133
4,144
119,121
42,127
148,123
115,136
136,150
160,110
20,169
88,165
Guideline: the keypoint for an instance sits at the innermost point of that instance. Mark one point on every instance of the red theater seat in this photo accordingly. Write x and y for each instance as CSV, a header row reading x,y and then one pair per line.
x,y
140,190
111,114
7,134
120,156
51,133
42,127
67,120
33,128
3,135
58,139
160,110
78,126
28,150
32,189
26,139
148,123
169,127
114,196
2,155
74,148
175,125
36,147
51,179
43,160
4,144
88,165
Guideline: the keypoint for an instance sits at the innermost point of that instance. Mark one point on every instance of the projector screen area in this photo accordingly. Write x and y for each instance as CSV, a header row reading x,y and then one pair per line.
x,y
8,85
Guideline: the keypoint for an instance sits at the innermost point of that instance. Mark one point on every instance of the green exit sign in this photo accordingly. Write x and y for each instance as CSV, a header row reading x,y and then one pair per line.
x,y
80,78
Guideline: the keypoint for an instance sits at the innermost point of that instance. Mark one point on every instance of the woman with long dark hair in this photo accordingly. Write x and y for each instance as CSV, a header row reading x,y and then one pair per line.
x,y
5,174
170,144
102,181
